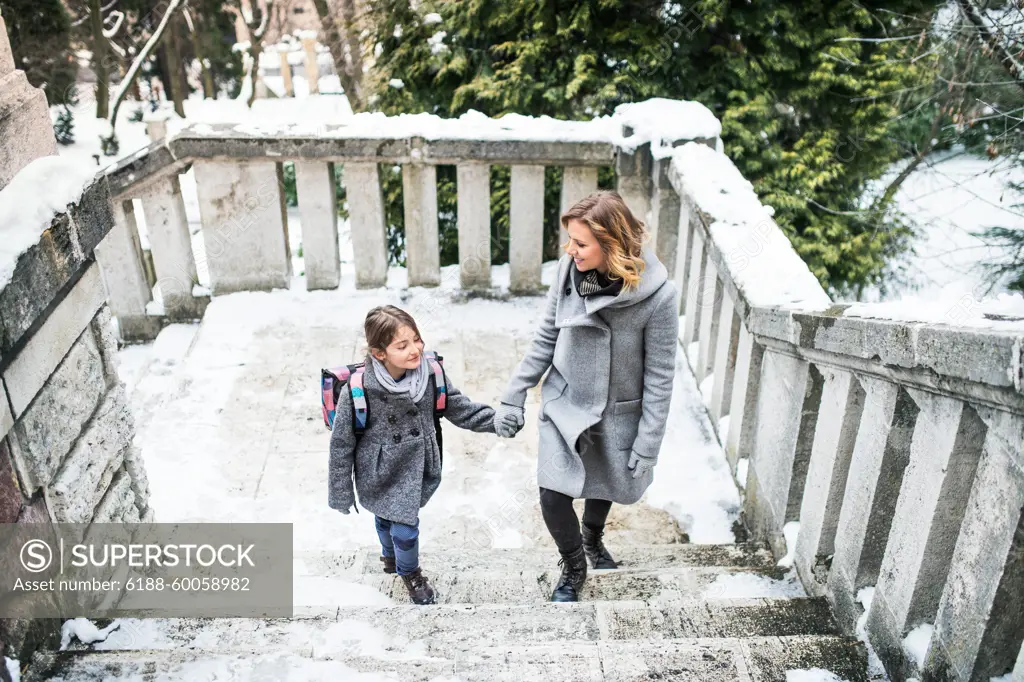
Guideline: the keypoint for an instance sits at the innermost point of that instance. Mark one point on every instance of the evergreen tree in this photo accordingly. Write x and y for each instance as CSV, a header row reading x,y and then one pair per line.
x,y
40,37
64,127
805,91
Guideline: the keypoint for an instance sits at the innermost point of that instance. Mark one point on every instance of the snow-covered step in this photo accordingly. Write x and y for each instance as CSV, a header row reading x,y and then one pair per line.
x,y
756,659
463,560
665,586
443,629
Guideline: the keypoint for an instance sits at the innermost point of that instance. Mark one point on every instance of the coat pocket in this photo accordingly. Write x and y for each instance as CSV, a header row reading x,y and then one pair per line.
x,y
405,460
625,421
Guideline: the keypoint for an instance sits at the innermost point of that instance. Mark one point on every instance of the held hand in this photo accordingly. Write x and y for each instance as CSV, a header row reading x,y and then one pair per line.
x,y
639,465
508,420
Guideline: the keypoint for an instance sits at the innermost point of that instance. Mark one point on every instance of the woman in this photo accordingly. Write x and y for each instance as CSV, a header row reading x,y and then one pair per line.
x,y
609,337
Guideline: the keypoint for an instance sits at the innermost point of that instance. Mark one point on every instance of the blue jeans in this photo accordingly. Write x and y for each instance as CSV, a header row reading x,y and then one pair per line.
x,y
400,541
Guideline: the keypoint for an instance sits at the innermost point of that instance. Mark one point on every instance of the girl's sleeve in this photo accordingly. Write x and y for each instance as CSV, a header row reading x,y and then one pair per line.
x,y
340,492
465,413
538,359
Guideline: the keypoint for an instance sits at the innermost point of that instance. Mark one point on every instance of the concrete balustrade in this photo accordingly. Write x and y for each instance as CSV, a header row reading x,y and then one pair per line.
x,y
419,193
577,183
368,228
474,209
526,218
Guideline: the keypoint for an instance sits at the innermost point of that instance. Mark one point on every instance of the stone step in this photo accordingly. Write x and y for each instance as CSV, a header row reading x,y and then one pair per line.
x,y
755,659
441,630
659,587
468,559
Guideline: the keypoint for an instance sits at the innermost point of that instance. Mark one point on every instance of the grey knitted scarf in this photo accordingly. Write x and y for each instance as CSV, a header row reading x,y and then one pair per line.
x,y
414,382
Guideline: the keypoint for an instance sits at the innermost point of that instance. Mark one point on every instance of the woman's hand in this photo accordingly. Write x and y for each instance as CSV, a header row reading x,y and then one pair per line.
x,y
639,465
508,420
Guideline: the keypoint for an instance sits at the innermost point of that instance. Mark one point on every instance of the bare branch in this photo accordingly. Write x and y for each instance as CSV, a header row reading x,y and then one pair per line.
x,y
109,33
1009,62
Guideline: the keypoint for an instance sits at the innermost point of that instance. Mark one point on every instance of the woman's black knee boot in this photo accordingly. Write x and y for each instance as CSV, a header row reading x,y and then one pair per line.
x,y
594,547
574,574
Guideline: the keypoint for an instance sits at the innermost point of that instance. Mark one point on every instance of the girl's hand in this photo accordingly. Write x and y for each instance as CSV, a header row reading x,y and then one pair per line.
x,y
508,420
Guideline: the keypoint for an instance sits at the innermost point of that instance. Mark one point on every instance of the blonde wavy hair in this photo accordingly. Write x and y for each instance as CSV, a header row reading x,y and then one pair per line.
x,y
617,230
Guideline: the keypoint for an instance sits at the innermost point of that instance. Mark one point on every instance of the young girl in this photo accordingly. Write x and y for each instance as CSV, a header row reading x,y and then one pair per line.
x,y
396,462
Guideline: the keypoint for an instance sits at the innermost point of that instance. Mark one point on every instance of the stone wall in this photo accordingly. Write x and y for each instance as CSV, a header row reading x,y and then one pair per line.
x,y
66,431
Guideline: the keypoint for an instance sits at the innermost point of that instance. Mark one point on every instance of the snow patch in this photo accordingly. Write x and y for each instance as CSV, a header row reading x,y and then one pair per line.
x,y
741,472
37,193
663,122
875,668
1002,312
84,630
432,18
13,669
396,83
916,643
753,586
812,675
791,531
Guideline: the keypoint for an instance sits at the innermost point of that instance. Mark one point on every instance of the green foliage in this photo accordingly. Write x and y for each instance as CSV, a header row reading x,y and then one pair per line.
x,y
40,37
806,105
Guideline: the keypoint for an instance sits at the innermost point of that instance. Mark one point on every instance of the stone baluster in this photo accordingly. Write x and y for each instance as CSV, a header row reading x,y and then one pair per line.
x,y
633,177
171,245
746,386
877,465
842,405
368,229
787,412
312,67
526,217
128,291
577,183
318,209
685,230
474,210
422,252
979,625
709,299
286,72
244,225
725,360
665,224
944,455
693,291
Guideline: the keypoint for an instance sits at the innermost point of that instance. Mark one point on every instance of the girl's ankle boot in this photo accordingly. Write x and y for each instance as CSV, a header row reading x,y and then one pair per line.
x,y
574,574
594,547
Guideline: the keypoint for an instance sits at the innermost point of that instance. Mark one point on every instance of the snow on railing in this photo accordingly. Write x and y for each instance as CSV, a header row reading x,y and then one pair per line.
x,y
882,440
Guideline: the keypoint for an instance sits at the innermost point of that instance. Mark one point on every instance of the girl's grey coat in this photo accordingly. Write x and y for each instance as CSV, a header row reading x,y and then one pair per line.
x,y
612,362
395,463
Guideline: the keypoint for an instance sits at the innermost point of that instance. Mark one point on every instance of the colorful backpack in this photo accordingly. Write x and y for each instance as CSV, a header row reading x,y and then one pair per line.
x,y
333,380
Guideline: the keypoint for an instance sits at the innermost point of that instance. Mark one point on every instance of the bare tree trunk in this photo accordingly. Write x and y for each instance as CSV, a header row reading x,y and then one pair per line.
x,y
351,80
209,89
350,29
99,58
175,68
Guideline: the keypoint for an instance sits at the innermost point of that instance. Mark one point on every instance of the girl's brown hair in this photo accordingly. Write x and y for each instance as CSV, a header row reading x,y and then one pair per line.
x,y
617,230
382,324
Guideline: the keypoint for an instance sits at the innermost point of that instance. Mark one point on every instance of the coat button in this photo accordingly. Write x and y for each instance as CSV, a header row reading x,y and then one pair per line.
x,y
411,413
415,432
392,419
397,438
568,290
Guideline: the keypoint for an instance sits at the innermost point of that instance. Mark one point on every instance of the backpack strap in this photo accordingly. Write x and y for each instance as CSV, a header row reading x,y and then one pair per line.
x,y
331,382
440,385
360,406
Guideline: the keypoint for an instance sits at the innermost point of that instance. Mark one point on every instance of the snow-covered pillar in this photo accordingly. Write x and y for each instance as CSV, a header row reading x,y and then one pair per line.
x,y
367,220
842,403
725,360
633,176
422,252
286,72
739,441
171,245
665,223
526,218
318,209
312,67
244,225
692,291
120,258
879,459
474,211
980,624
709,300
787,411
944,455
577,183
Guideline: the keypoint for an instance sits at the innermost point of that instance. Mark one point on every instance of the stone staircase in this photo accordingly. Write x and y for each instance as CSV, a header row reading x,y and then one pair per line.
x,y
664,615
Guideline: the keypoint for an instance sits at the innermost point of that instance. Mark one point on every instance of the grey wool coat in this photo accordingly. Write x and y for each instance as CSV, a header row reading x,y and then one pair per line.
x,y
610,363
395,463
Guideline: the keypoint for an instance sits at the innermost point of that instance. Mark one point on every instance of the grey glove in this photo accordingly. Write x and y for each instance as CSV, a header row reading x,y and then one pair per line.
x,y
639,464
508,420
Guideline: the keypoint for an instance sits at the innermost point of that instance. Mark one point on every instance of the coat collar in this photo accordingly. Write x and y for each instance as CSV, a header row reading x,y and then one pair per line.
x,y
578,311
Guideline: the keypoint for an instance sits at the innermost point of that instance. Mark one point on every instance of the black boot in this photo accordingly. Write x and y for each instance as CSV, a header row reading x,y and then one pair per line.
x,y
389,564
597,553
574,574
420,591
